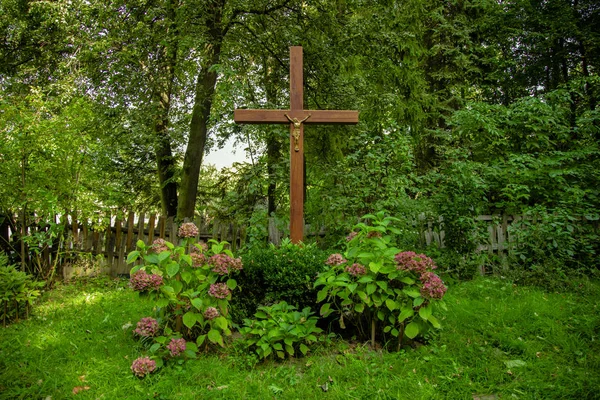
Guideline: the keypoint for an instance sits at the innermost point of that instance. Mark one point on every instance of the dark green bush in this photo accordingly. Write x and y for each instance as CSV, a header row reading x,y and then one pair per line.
x,y
16,288
274,274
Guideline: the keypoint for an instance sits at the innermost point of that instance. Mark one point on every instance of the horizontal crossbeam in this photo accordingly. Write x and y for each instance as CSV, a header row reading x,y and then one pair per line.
x,y
244,116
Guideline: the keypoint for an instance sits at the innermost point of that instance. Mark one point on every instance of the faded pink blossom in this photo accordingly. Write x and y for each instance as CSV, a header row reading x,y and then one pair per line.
x,y
187,230
147,327
335,259
219,290
141,281
211,313
356,269
413,262
158,246
176,347
222,264
198,259
433,287
143,366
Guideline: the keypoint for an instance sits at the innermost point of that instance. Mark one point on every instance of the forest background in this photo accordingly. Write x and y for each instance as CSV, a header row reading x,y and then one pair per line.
x,y
466,108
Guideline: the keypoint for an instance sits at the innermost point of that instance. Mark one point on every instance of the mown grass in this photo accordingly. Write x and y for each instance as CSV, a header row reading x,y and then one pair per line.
x,y
498,340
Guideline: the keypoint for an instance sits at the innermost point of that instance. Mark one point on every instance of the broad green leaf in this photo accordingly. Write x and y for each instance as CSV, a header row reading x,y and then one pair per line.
x,y
395,332
411,330
162,302
303,348
371,287
406,313
260,314
425,312
131,257
140,244
151,258
321,295
154,347
382,284
200,340
418,301
215,336
407,280
177,286
131,271
375,267
363,296
289,349
359,308
163,256
231,284
189,319
277,346
191,346
190,353
387,329
391,304
186,276
197,302
186,258
352,287
280,354
365,279
412,292
381,315
220,322
434,322
172,269
325,310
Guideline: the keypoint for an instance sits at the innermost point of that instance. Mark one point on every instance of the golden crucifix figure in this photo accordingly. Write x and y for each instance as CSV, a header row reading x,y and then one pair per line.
x,y
296,133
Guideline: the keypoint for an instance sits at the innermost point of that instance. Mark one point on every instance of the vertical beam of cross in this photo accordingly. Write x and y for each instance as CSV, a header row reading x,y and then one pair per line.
x,y
296,117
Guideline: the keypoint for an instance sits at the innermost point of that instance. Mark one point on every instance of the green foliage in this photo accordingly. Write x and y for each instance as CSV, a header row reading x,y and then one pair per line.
x,y
16,288
273,274
557,236
193,298
375,284
280,330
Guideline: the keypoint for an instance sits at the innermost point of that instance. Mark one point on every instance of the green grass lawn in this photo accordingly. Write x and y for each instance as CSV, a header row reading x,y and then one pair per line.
x,y
498,341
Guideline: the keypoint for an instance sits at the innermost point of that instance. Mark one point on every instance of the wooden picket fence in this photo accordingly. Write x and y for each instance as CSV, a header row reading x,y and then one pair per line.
x,y
108,240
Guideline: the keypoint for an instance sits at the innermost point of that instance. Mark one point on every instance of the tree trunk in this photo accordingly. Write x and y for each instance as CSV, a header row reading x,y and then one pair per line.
x,y
205,89
165,163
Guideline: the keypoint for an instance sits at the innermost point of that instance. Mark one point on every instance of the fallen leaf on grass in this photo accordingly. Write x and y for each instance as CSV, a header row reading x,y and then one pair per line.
x,y
78,389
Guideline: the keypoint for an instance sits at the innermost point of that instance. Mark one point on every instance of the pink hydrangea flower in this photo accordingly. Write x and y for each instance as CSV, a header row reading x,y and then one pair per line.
x,y
413,262
211,313
356,269
433,287
198,259
187,230
335,259
222,264
143,366
147,327
219,290
158,246
176,347
141,281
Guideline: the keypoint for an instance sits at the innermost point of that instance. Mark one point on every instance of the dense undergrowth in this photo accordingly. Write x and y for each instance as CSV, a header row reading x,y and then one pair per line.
x,y
498,338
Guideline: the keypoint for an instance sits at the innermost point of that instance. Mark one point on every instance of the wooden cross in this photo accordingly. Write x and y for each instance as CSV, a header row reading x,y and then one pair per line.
x,y
296,117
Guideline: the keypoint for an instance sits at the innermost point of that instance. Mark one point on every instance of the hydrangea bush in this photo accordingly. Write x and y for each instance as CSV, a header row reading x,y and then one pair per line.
x,y
378,288
192,285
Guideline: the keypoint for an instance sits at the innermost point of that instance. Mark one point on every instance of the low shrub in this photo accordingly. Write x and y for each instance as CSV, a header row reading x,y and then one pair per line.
x,y
272,274
17,288
280,330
